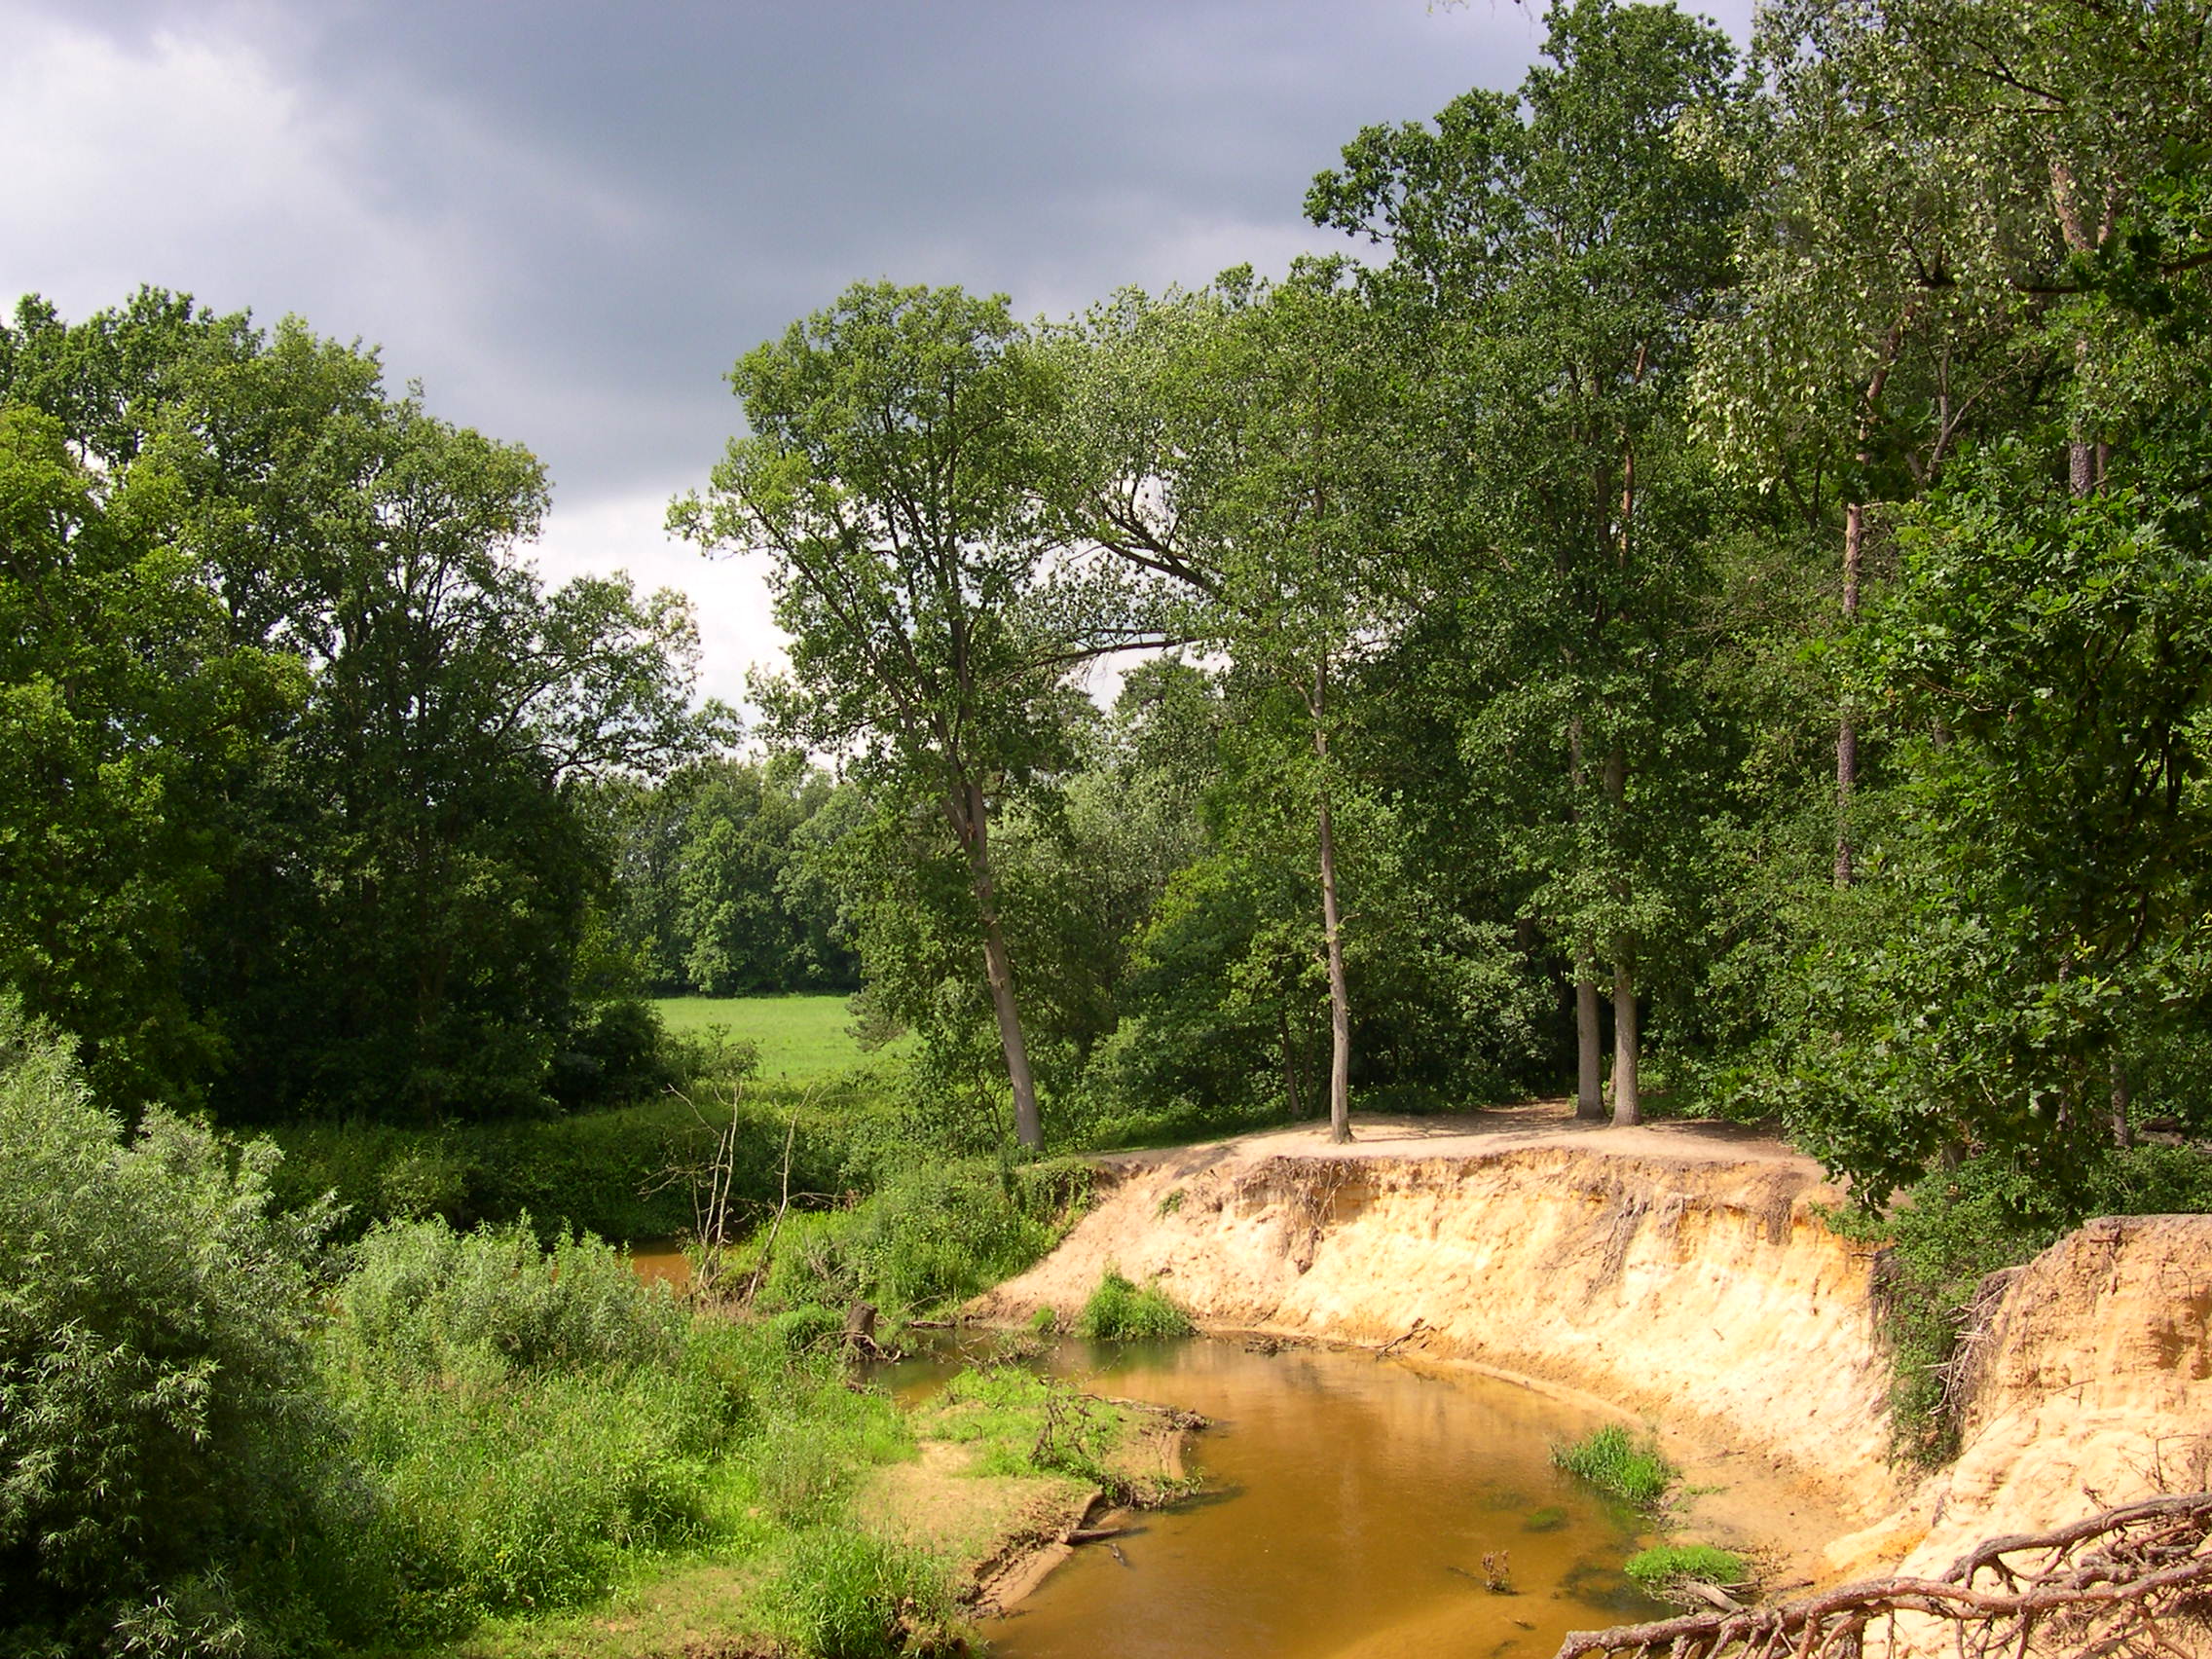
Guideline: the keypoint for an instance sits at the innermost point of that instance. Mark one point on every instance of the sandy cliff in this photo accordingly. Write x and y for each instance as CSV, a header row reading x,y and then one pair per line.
x,y
1684,1274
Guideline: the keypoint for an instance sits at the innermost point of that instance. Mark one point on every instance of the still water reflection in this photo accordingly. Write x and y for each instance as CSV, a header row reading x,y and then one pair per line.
x,y
1350,1503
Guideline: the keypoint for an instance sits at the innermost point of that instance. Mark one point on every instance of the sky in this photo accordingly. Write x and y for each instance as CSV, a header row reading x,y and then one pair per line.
x,y
566,220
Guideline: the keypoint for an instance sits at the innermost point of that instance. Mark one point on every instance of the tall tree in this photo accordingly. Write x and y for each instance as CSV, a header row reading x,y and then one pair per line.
x,y
388,887
1560,243
892,475
1239,447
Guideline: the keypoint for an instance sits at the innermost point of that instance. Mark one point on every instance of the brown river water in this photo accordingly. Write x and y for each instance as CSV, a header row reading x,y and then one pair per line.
x,y
1349,1503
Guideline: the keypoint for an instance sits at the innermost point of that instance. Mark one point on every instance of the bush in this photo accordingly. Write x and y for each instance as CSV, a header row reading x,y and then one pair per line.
x,y
529,1419
162,1460
1664,1566
1614,1461
1120,1311
434,1305
1957,1226
843,1595
933,1233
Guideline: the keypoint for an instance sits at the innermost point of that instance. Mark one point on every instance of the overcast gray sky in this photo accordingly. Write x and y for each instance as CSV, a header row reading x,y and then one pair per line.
x,y
568,219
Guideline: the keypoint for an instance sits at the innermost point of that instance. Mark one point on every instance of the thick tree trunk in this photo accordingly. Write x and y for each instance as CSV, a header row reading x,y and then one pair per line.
x,y
1589,1073
1626,1101
1332,928
971,821
1847,733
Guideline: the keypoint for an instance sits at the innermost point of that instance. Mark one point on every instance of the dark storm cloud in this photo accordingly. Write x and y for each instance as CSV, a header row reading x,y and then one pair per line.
x,y
569,218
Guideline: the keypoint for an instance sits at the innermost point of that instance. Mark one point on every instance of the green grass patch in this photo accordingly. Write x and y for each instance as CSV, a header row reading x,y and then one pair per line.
x,y
1666,1566
1614,1460
800,1038
844,1595
1120,1310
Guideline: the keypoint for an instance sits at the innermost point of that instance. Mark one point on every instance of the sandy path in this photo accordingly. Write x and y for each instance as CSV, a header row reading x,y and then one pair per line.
x,y
1486,1133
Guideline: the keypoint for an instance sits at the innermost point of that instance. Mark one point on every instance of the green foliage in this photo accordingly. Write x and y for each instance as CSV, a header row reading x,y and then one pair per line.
x,y
532,1425
165,1468
1955,1228
932,1232
422,1303
1613,1459
619,1174
844,1595
1119,1310
301,724
1664,1565
722,885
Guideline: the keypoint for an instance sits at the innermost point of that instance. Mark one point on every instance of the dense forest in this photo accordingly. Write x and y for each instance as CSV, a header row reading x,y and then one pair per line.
x,y
1703,605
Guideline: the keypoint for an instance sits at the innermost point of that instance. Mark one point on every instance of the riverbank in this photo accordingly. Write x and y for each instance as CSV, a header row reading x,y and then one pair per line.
x,y
1683,1275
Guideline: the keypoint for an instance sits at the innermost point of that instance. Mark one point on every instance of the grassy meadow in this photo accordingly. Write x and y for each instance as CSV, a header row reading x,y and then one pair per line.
x,y
799,1036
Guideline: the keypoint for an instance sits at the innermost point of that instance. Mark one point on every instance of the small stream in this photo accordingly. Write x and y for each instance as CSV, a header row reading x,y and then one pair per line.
x,y
1349,1503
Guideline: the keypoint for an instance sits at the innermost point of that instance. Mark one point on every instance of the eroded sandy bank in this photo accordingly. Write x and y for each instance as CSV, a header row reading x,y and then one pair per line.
x,y
1685,1275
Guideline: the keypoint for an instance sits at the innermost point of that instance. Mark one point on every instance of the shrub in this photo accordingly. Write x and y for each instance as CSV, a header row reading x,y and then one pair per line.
x,y
1667,1565
529,1419
933,1233
433,1304
162,1458
1120,1311
1614,1461
843,1595
1959,1225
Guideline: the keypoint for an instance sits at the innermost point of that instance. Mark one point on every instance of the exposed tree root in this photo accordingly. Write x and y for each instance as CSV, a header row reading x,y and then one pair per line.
x,y
2131,1583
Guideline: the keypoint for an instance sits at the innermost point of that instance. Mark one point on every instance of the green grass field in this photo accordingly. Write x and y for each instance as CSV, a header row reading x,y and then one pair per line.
x,y
799,1036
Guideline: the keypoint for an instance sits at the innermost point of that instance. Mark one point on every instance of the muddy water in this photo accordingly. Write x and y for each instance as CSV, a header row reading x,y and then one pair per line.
x,y
1350,1503
661,1261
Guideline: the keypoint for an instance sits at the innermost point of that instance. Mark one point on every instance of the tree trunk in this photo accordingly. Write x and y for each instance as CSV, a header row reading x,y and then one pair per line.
x,y
1627,1102
1028,1126
1589,1080
2123,1131
1331,928
1847,733
1289,1068
1589,1083
971,821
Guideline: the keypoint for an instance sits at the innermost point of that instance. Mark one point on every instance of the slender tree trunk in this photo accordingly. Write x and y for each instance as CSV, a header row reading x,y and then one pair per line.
x,y
1332,927
1846,733
1589,1079
2122,1131
971,819
1626,1101
1289,1068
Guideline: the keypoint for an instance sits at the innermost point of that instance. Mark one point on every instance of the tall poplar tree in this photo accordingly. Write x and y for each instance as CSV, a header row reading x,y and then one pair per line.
x,y
891,475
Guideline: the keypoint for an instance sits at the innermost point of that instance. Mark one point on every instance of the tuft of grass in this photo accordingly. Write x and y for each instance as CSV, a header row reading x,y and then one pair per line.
x,y
1666,1566
1121,1312
844,1595
1614,1460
